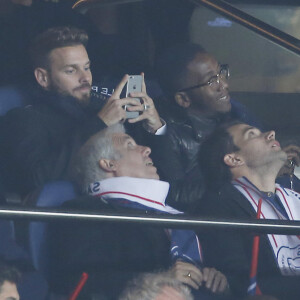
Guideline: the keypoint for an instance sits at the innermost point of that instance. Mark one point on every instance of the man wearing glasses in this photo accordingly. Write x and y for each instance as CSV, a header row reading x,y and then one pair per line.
x,y
198,100
196,88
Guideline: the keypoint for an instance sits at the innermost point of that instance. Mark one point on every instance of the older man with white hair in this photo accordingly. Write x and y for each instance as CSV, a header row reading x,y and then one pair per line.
x,y
119,176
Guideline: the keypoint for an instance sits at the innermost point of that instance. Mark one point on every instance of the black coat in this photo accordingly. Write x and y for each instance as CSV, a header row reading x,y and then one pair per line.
x,y
178,159
38,141
230,251
111,253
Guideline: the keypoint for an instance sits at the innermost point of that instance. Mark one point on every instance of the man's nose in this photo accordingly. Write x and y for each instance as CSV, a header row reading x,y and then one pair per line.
x,y
270,135
223,83
84,76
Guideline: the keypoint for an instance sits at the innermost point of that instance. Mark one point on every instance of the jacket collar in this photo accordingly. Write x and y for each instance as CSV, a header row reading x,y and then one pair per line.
x,y
66,104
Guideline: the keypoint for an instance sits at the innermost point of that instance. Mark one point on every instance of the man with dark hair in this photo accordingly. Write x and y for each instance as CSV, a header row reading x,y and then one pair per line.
x,y
197,90
9,276
39,140
241,164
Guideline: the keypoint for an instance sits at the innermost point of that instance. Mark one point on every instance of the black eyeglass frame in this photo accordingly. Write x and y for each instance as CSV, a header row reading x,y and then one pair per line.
x,y
222,67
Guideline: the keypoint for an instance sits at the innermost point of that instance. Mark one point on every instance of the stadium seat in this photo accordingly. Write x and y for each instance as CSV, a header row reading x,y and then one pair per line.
x,y
53,194
9,249
11,97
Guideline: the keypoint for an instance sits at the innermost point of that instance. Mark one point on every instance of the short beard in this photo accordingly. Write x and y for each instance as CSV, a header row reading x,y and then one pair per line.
x,y
85,100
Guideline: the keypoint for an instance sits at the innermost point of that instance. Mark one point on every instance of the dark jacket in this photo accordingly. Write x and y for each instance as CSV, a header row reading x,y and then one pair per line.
x,y
110,252
39,140
177,158
230,250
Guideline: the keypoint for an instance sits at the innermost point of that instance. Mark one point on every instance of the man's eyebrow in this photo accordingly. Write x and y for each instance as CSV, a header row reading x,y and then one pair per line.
x,y
125,138
75,65
70,65
11,298
211,73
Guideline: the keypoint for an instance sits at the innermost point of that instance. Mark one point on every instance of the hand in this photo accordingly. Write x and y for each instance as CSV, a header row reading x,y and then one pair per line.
x,y
192,276
113,111
149,116
293,158
215,281
187,273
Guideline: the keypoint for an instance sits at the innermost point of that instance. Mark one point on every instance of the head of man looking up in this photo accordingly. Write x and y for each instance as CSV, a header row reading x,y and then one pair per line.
x,y
241,163
241,150
117,175
111,154
40,139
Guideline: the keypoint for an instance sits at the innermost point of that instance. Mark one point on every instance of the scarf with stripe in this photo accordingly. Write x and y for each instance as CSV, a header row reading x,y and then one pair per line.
x,y
150,195
286,248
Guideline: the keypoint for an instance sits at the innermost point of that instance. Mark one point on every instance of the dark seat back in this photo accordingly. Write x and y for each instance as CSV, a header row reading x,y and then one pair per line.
x,y
53,194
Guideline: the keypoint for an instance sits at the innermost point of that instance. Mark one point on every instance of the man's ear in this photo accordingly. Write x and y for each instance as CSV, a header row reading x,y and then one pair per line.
x,y
107,165
233,160
183,99
42,77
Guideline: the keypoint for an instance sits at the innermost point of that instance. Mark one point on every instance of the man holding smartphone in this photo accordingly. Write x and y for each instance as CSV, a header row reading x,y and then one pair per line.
x,y
39,140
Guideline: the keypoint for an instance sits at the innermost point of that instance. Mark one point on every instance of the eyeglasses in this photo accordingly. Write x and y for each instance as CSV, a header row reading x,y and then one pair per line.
x,y
214,81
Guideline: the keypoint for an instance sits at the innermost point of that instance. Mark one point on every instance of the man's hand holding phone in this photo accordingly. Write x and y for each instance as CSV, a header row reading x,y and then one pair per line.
x,y
148,113
113,111
118,110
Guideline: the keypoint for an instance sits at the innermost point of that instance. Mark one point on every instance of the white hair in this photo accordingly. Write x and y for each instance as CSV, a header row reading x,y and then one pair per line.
x,y
85,167
149,285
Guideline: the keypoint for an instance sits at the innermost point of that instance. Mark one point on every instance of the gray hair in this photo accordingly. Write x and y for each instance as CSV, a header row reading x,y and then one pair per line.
x,y
149,285
85,167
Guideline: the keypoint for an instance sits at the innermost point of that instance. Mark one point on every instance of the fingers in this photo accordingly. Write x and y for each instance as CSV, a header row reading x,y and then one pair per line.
x,y
293,153
113,111
150,116
223,286
294,157
116,94
189,280
214,280
188,274
143,96
135,104
144,90
293,148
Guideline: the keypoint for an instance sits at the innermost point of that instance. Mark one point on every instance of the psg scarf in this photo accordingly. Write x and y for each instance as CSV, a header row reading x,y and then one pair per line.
x,y
150,194
286,248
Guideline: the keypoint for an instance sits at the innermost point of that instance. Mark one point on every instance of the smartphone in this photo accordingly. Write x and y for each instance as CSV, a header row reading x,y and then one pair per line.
x,y
134,85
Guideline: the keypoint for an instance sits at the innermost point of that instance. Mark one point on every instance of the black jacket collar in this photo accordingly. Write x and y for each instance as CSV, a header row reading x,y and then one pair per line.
x,y
65,104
